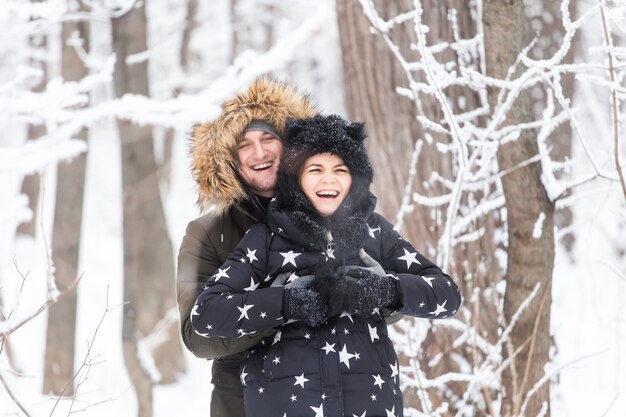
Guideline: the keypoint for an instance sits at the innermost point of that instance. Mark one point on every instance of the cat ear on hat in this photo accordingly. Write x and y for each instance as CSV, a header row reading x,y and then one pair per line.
x,y
356,131
293,128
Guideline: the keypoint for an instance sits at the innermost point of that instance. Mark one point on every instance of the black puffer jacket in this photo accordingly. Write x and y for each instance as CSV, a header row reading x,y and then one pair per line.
x,y
348,365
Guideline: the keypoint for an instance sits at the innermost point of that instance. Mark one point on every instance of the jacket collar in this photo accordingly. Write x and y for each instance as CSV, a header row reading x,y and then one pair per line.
x,y
252,207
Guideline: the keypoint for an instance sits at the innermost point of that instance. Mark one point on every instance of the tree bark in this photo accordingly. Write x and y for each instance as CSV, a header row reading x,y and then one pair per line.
x,y
148,256
61,331
234,41
31,186
165,168
31,183
547,25
530,257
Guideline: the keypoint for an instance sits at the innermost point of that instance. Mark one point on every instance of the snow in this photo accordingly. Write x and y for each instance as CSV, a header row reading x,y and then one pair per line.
x,y
588,315
538,228
35,156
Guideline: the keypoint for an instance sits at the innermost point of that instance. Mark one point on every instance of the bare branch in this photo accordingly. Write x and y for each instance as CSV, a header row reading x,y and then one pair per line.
x,y
12,395
405,207
86,364
8,331
614,101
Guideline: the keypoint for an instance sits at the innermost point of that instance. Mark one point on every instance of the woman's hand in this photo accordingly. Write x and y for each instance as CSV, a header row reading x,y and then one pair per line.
x,y
303,303
357,290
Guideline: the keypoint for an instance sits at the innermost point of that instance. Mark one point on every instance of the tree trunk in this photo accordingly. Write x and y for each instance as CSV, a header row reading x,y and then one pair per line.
x,y
530,257
271,10
165,168
61,333
148,257
547,23
234,40
31,183
371,76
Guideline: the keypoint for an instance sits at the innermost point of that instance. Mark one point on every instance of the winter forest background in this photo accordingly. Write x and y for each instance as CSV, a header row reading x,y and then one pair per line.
x,y
496,130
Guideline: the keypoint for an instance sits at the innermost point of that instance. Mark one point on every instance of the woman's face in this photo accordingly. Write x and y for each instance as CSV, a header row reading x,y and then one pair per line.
x,y
326,182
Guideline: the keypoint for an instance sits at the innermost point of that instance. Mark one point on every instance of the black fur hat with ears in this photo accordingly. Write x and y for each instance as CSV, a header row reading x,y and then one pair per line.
x,y
306,137
319,134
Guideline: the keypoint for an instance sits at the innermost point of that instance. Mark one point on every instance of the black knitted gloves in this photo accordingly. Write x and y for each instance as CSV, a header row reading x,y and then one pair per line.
x,y
358,292
353,289
304,304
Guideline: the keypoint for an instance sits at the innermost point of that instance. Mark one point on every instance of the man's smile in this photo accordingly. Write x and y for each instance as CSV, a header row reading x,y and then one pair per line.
x,y
263,166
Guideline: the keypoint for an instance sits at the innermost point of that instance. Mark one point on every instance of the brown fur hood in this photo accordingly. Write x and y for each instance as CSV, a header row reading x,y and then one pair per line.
x,y
213,143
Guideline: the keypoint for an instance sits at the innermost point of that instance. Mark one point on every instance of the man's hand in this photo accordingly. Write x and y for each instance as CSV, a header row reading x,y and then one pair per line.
x,y
370,265
290,279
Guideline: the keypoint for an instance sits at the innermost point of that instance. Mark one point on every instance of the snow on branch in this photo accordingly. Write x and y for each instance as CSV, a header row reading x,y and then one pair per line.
x,y
187,109
405,206
148,344
35,156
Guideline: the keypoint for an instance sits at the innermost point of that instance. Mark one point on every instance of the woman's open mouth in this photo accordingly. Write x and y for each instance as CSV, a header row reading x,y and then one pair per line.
x,y
327,194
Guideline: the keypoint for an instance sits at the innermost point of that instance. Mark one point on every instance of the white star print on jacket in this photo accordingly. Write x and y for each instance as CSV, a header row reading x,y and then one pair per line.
x,y
301,370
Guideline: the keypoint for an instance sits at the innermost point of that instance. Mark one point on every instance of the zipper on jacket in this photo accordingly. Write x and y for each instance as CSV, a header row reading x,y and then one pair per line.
x,y
222,233
330,245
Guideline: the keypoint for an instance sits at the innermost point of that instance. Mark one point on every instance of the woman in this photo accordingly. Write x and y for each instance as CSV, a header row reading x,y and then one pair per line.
x,y
323,271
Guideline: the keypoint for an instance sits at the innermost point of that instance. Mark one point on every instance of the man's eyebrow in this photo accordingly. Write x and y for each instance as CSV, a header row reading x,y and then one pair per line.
x,y
244,139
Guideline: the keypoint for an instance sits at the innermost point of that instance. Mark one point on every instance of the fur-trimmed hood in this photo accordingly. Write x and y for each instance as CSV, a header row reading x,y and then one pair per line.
x,y
213,144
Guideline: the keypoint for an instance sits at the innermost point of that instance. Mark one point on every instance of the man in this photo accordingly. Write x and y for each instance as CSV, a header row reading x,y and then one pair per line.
x,y
235,162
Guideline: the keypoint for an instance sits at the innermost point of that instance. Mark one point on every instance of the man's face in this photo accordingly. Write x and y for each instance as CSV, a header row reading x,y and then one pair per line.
x,y
259,155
